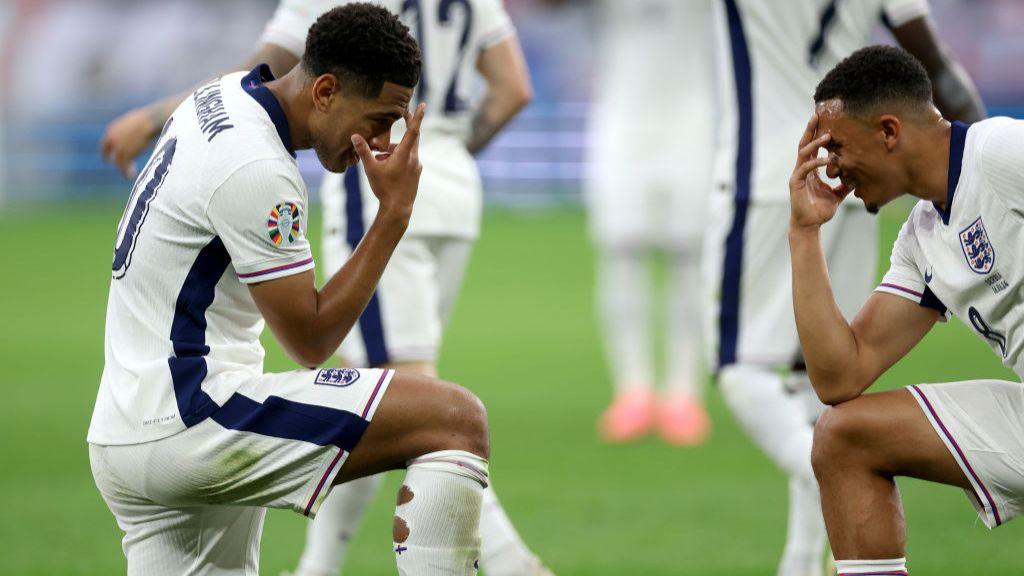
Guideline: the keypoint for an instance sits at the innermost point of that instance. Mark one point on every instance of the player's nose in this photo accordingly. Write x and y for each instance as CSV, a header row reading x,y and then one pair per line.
x,y
381,142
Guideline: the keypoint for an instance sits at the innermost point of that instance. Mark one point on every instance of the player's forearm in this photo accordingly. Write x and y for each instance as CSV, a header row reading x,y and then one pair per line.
x,y
955,94
161,110
344,297
828,342
495,111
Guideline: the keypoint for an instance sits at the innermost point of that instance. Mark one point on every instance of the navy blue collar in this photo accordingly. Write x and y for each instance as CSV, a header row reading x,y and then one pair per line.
x,y
957,141
252,83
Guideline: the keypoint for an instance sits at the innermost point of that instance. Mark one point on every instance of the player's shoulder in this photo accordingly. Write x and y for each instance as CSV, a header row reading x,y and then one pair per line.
x,y
998,132
995,147
241,122
923,216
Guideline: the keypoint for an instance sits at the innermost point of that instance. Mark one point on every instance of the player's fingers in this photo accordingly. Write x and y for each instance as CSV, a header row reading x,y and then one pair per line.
x,y
412,130
362,150
810,166
127,166
810,150
809,130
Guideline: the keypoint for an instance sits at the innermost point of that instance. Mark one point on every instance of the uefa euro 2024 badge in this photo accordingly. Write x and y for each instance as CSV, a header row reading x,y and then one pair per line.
x,y
978,250
284,224
339,377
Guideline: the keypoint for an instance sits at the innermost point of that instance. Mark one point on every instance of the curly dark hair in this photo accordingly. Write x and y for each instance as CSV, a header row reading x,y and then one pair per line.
x,y
874,76
364,46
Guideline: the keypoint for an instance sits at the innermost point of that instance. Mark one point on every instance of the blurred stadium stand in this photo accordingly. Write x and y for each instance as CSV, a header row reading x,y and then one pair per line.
x,y
69,66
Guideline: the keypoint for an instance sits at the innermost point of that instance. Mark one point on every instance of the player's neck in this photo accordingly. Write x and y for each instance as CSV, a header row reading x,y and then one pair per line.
x,y
288,90
929,172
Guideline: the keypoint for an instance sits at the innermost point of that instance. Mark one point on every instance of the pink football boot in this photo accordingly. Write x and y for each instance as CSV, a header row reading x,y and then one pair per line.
x,y
630,416
682,420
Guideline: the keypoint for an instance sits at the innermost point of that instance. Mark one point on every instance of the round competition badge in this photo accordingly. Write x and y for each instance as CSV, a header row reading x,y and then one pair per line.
x,y
283,225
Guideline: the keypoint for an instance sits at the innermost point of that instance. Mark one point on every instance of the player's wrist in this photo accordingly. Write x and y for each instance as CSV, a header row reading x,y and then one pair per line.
x,y
394,216
803,231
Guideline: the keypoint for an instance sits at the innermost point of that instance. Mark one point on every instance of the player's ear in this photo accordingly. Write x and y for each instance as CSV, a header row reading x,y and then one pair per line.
x,y
891,129
324,88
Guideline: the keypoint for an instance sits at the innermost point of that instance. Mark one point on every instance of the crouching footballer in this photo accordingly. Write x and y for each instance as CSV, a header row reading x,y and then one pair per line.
x,y
958,254
190,440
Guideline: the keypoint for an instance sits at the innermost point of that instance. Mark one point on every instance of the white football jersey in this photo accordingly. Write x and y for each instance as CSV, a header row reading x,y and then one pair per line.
x,y
219,205
771,55
654,73
451,35
965,261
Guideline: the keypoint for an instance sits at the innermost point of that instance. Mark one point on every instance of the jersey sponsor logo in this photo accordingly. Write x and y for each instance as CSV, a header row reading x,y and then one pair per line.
x,y
338,377
977,247
283,225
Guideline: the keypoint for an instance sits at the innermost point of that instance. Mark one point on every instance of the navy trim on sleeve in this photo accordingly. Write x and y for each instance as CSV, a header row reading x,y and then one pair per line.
x,y
930,300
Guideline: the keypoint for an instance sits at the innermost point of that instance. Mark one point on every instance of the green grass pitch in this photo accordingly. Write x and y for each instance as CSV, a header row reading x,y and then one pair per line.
x,y
524,338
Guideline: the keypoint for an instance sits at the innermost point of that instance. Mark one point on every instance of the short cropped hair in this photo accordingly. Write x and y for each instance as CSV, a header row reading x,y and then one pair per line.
x,y
875,76
364,46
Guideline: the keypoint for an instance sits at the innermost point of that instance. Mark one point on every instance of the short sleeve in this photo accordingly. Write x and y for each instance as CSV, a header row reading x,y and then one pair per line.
x,y
904,276
494,22
290,23
259,213
1002,163
899,12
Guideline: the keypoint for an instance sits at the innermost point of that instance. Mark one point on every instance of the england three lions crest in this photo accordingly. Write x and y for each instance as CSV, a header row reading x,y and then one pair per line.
x,y
339,377
977,247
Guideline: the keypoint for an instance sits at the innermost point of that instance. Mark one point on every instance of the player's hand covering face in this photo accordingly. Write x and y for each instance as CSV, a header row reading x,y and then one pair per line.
x,y
339,116
812,201
394,175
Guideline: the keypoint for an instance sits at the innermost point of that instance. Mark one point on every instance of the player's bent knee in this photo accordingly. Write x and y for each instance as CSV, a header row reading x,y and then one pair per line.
x,y
838,439
470,423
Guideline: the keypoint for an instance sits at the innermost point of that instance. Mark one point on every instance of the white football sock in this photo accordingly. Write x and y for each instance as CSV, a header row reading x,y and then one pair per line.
x,y
894,567
683,328
437,519
778,423
805,531
502,550
772,418
623,295
329,534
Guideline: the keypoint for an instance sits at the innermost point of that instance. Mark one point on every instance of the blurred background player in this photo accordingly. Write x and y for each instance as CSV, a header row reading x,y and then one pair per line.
x,y
651,134
771,56
401,327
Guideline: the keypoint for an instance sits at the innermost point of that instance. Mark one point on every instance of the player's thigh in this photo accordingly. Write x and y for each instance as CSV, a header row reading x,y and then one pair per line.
x,y
452,256
623,206
169,540
850,241
278,441
751,252
886,432
418,415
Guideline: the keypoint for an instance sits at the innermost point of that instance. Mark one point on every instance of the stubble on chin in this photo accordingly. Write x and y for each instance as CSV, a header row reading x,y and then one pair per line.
x,y
871,208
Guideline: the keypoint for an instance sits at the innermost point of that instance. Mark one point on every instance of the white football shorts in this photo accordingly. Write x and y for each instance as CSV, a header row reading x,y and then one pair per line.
x,y
405,319
748,279
647,197
193,503
981,422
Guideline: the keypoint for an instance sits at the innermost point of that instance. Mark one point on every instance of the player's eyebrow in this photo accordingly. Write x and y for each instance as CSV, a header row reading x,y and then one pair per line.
x,y
388,116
